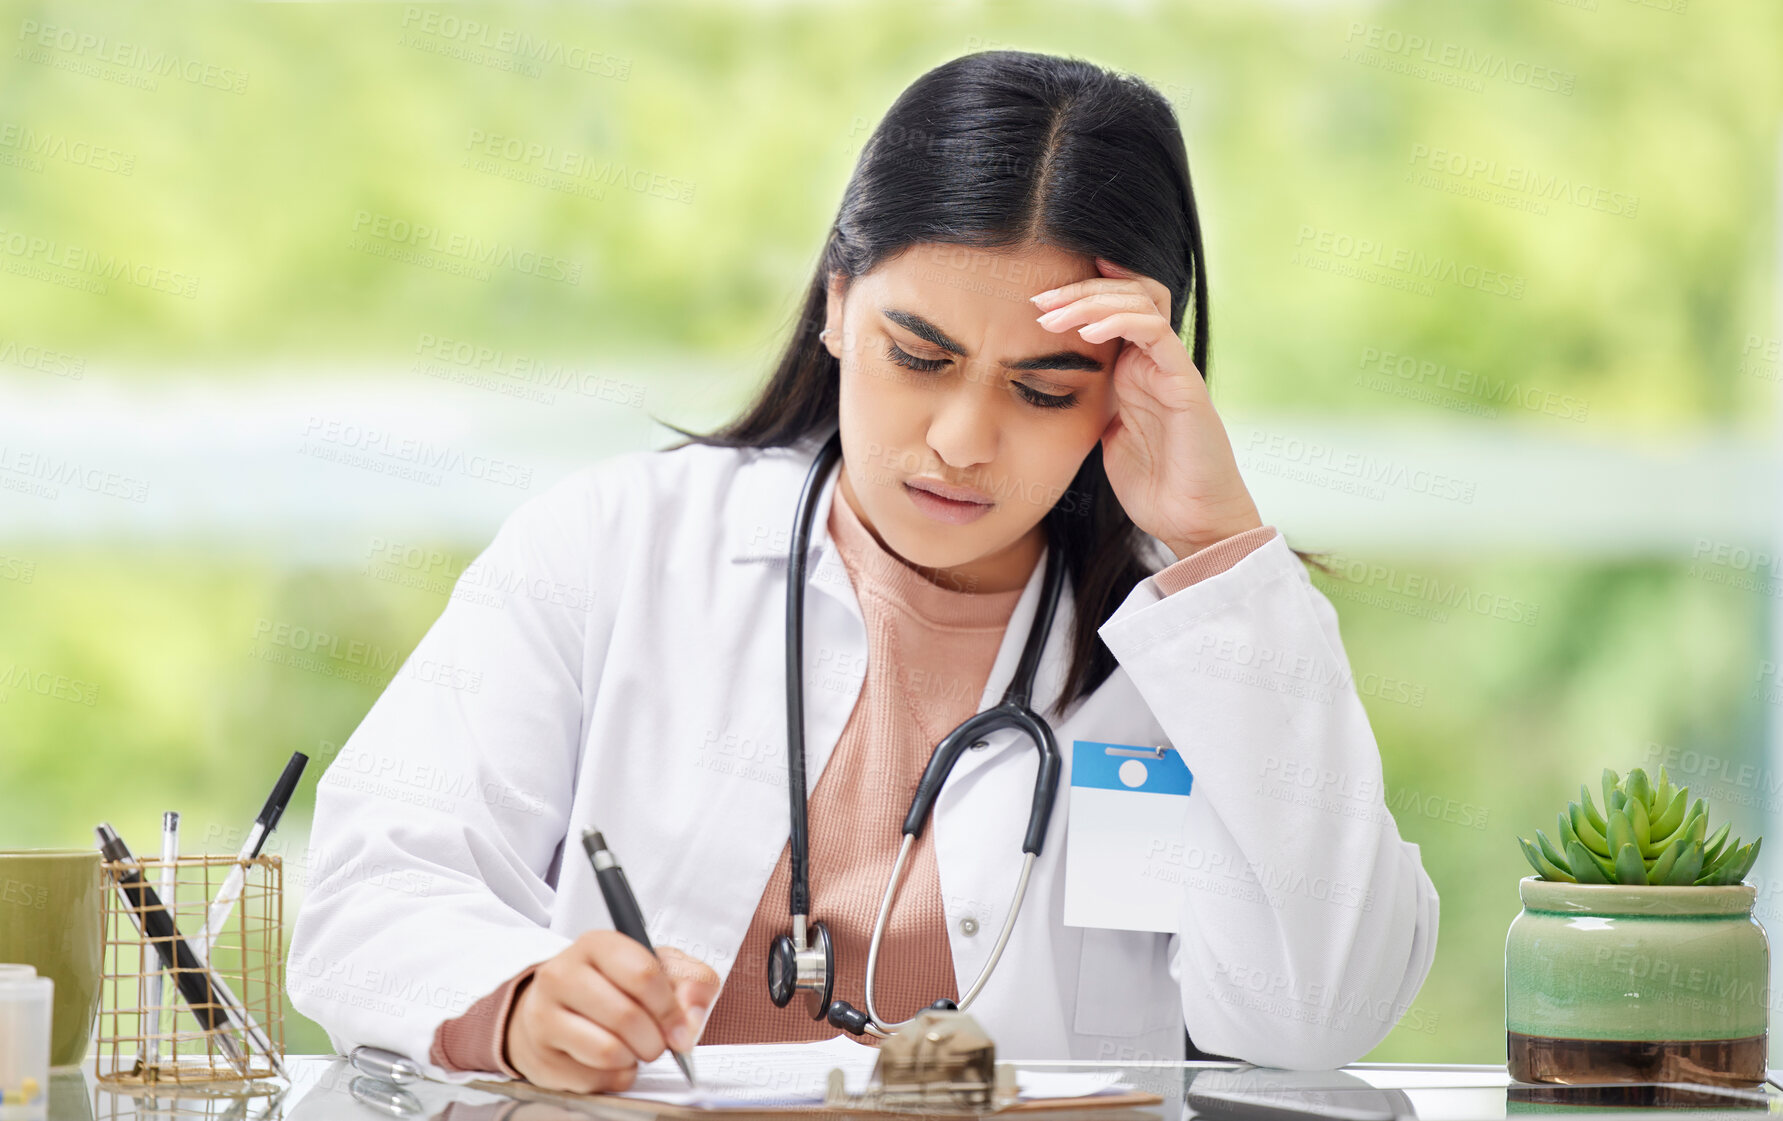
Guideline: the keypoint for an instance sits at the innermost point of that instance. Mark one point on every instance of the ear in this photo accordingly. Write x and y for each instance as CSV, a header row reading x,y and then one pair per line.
x,y
832,320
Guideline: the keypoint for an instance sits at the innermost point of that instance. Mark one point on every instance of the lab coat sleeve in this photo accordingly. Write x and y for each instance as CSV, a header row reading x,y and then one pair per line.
x,y
437,827
1314,924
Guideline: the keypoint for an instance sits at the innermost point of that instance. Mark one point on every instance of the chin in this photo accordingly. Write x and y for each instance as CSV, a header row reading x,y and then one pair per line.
x,y
939,551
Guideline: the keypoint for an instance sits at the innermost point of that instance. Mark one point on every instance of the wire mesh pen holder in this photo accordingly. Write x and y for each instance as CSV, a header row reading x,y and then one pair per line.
x,y
150,1032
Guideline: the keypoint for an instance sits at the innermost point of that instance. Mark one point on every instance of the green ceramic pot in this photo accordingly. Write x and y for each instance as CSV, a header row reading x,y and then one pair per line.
x,y
1629,983
50,920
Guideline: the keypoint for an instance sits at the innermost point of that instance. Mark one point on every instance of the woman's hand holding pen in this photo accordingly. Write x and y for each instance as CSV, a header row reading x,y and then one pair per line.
x,y
604,1004
1166,453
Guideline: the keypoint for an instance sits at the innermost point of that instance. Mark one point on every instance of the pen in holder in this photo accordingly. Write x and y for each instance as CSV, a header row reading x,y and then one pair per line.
x,y
219,1018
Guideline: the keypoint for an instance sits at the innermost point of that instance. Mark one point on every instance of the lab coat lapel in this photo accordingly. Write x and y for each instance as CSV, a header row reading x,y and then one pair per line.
x,y
760,523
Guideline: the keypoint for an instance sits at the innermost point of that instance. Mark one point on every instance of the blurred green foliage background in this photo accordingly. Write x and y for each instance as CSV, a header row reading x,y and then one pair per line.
x,y
736,128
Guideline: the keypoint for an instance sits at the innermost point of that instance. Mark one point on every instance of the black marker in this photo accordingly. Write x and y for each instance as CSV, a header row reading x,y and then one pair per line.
x,y
628,919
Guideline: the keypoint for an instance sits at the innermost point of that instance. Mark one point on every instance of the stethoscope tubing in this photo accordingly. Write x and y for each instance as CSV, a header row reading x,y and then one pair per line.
x,y
1014,711
897,878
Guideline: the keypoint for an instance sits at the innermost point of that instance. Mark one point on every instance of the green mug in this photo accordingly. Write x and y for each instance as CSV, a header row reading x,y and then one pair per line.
x,y
50,918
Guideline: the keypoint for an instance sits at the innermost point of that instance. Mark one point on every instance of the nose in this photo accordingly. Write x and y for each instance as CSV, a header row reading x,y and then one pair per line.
x,y
964,432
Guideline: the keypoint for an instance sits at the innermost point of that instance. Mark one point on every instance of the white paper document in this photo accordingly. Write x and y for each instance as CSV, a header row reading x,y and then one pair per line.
x,y
798,1074
1068,1083
756,1073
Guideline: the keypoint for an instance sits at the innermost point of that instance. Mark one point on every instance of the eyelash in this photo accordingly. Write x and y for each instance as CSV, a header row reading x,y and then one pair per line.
x,y
929,365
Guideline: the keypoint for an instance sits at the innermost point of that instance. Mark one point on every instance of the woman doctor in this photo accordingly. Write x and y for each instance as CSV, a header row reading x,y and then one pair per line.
x,y
993,329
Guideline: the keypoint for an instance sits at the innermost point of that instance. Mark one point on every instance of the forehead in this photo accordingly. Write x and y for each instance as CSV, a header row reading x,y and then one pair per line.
x,y
949,273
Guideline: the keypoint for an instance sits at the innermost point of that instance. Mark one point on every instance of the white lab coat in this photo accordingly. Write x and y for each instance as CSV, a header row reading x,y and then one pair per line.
x,y
614,658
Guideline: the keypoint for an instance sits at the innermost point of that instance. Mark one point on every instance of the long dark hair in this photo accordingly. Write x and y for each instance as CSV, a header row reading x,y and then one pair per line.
x,y
1003,149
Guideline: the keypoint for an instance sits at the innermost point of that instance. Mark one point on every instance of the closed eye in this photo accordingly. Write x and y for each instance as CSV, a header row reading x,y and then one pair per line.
x,y
930,365
910,361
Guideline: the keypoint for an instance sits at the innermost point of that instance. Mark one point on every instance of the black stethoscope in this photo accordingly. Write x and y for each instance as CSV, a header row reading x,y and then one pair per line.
x,y
794,965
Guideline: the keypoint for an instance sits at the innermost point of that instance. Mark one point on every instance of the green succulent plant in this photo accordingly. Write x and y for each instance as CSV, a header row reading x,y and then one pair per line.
x,y
1644,835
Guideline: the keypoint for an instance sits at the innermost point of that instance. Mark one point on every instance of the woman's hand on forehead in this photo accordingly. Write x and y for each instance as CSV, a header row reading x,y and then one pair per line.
x,y
1166,451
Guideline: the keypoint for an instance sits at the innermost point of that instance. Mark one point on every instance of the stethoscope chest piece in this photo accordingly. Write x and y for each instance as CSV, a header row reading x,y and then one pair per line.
x,y
811,969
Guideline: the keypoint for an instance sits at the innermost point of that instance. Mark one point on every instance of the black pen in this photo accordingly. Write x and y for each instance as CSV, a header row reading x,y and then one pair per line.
x,y
218,1010
628,918
218,915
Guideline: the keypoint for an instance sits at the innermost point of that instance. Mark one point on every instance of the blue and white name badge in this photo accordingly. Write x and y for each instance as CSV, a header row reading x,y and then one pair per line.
x,y
1129,805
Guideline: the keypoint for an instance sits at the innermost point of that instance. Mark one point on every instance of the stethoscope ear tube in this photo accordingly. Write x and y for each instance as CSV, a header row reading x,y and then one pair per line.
x,y
1021,686
1046,781
1008,714
795,678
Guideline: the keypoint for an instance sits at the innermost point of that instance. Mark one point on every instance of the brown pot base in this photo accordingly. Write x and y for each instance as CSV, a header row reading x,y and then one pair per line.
x,y
1717,1062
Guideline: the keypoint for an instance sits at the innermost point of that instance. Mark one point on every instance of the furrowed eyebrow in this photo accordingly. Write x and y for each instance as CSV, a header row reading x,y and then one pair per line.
x,y
928,332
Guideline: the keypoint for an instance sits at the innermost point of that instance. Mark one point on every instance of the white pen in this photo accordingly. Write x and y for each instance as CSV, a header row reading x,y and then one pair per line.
x,y
158,1019
220,908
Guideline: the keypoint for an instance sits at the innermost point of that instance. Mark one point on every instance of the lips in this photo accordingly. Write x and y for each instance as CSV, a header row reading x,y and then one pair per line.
x,y
951,493
951,511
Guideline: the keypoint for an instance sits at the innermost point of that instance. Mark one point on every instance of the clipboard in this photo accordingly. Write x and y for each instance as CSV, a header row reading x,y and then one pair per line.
x,y
1122,1106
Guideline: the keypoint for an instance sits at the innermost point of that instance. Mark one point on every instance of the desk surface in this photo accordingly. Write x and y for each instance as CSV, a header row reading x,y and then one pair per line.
x,y
327,1088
